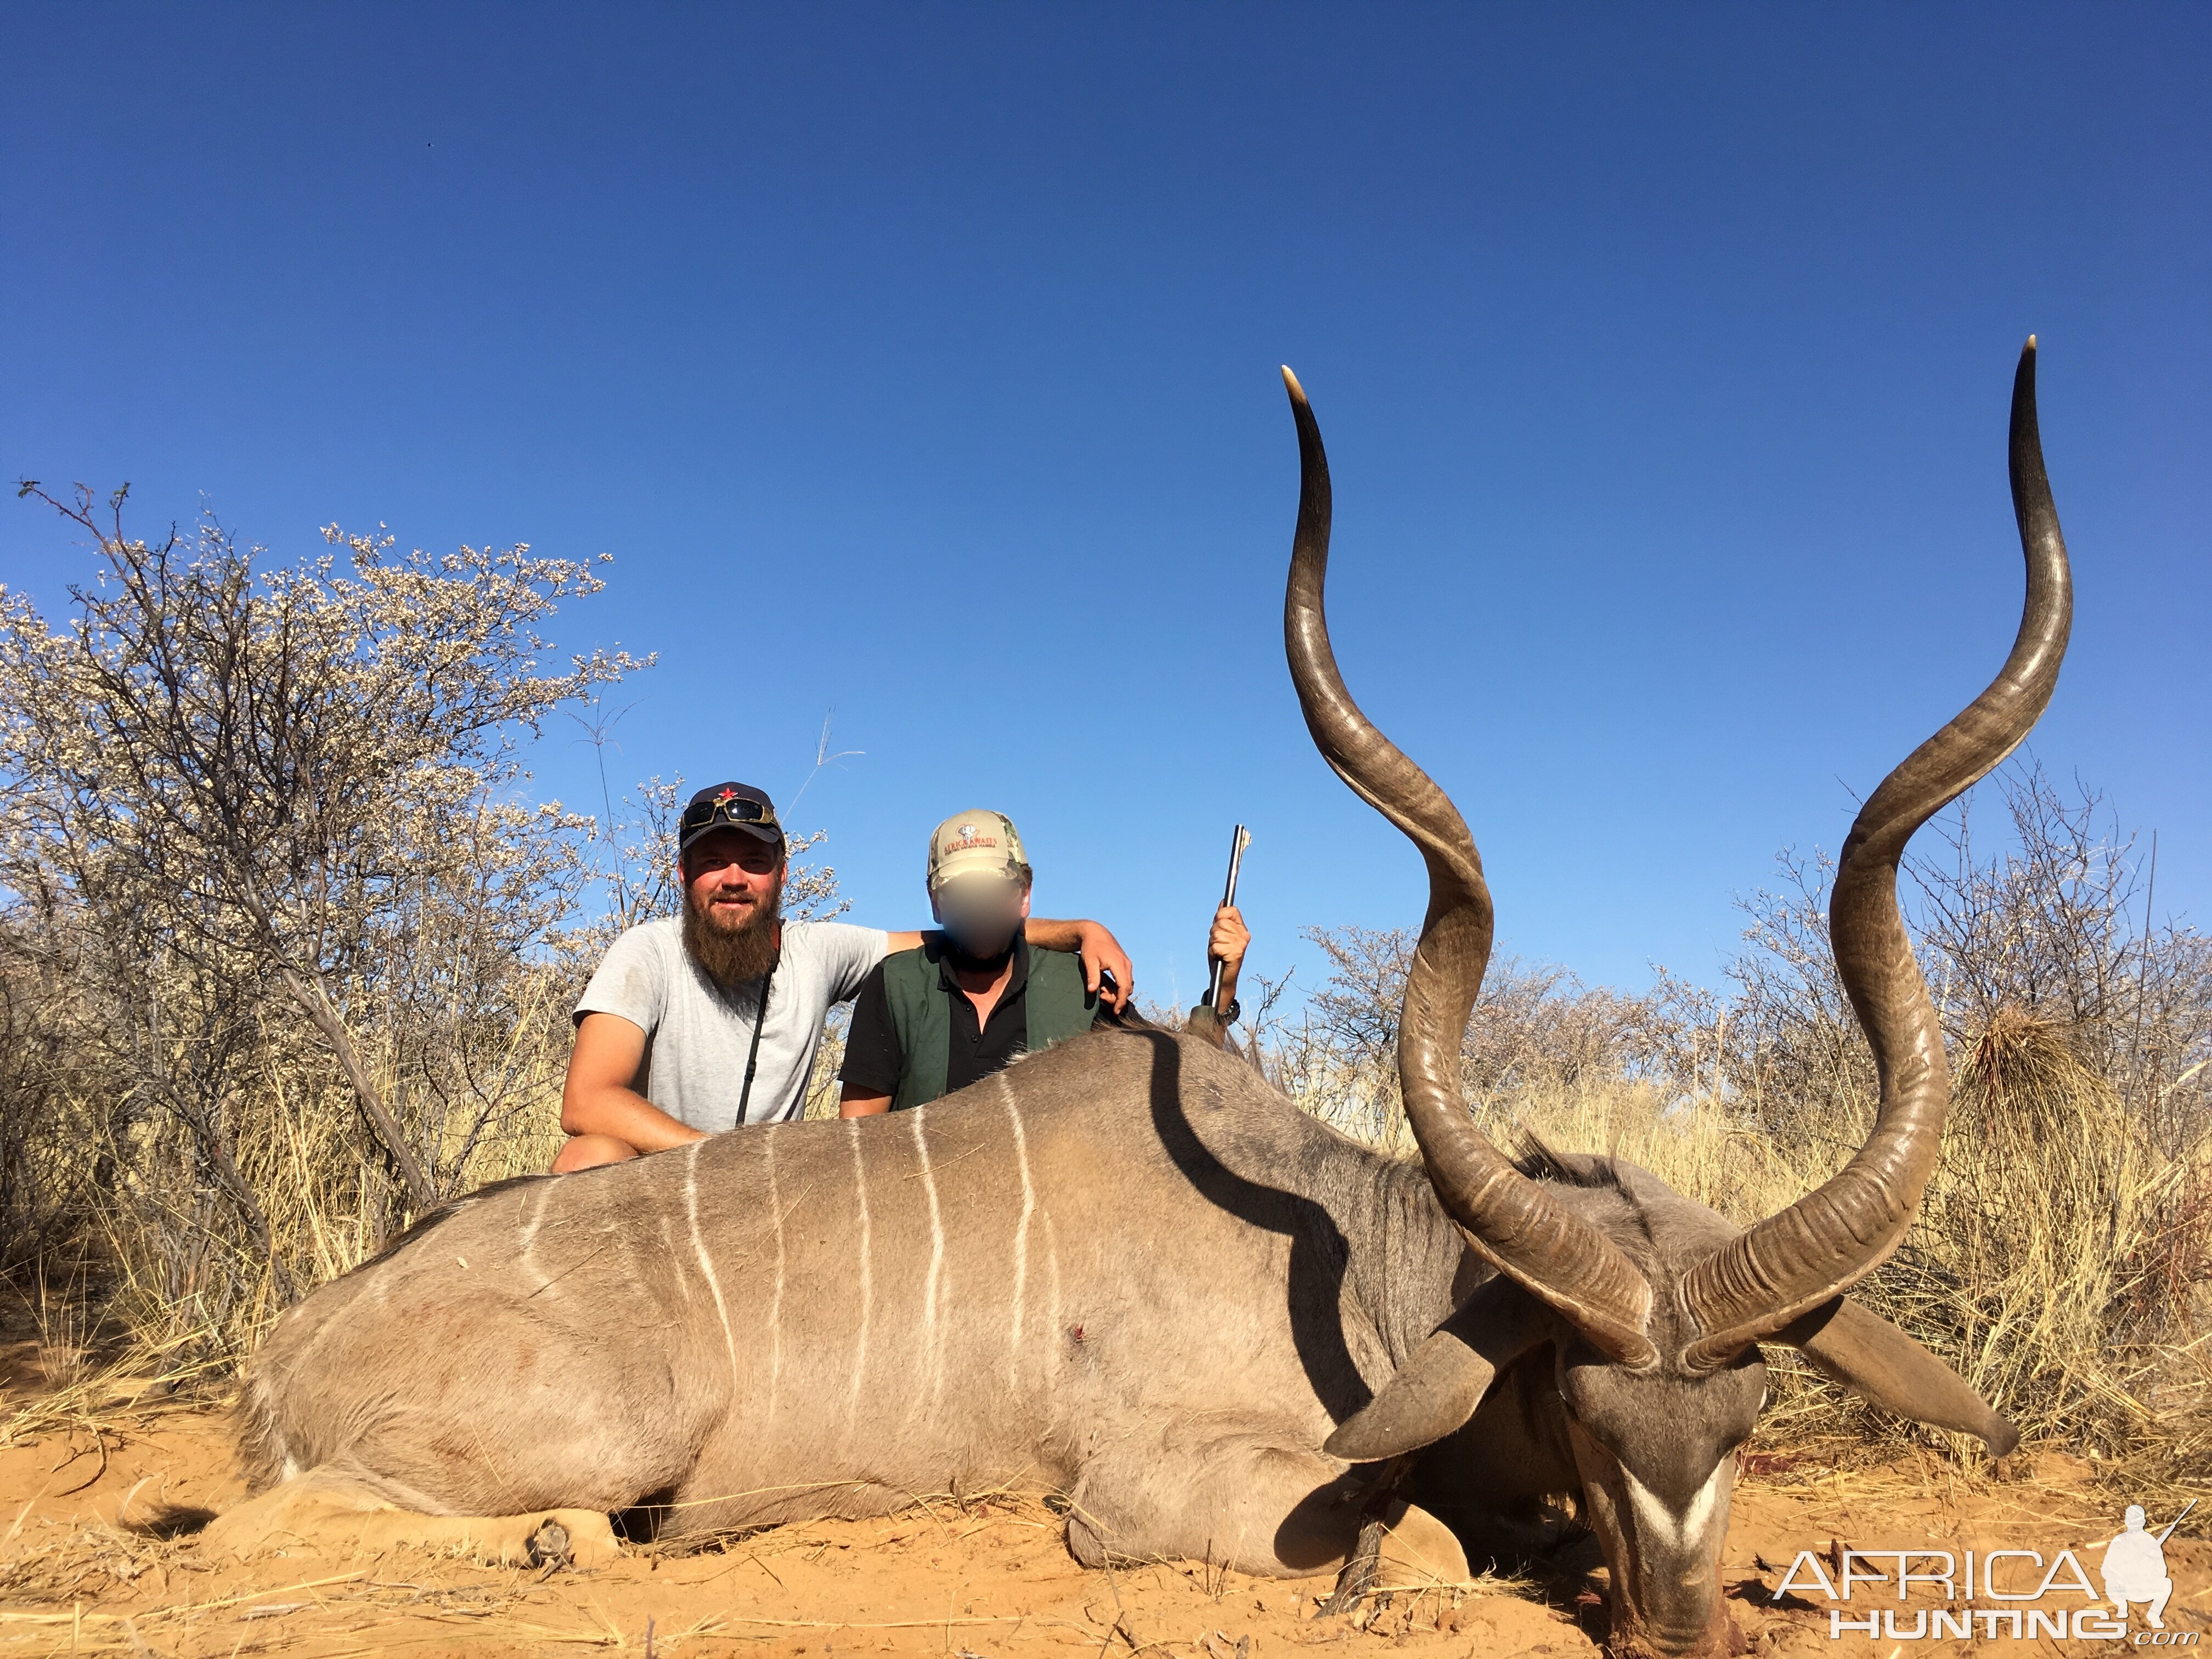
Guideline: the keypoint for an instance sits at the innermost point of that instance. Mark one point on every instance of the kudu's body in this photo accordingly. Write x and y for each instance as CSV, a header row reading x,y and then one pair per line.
x,y
1129,1269
1124,1268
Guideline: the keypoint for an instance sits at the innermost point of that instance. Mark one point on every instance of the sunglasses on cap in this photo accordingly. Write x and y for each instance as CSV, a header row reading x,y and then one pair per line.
x,y
736,811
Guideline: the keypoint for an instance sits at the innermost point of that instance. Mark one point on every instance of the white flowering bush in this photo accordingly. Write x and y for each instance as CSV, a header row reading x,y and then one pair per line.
x,y
288,955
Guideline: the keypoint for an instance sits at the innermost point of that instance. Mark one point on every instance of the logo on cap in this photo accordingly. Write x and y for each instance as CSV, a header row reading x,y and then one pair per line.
x,y
973,843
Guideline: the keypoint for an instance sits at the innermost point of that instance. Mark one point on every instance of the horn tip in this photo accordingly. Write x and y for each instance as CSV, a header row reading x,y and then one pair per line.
x,y
2030,347
1291,384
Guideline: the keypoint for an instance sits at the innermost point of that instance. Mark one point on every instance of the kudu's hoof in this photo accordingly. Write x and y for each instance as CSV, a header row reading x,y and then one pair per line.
x,y
548,1545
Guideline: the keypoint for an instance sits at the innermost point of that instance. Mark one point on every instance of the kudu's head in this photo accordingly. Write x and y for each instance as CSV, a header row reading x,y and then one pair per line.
x,y
1653,1306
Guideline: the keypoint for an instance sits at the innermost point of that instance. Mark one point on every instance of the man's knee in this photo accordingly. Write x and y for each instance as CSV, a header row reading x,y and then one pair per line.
x,y
590,1152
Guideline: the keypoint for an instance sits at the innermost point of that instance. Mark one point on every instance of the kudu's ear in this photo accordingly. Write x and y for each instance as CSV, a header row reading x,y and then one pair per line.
x,y
1444,1380
1878,1362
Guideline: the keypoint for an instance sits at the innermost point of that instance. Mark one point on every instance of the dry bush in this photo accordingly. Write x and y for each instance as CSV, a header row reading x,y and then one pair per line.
x,y
2063,1261
285,958
1536,1030
2056,923
2062,1249
293,947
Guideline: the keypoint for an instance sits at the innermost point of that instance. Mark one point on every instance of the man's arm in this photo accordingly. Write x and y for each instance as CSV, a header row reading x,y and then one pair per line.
x,y
1096,946
873,1054
600,1095
1098,949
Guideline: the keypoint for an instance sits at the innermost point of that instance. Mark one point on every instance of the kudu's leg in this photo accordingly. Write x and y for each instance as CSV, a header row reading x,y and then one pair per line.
x,y
1258,1509
331,1510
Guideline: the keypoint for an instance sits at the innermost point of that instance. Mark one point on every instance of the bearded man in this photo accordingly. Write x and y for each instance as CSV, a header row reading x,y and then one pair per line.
x,y
696,1025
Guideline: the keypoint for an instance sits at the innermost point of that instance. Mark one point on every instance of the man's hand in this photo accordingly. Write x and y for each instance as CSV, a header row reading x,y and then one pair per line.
x,y
1226,945
1098,949
1229,938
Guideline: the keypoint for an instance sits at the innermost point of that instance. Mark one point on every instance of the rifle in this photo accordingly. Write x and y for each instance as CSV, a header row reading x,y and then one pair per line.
x,y
1237,843
2177,1521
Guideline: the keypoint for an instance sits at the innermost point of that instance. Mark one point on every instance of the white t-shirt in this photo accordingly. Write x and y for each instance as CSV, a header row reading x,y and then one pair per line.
x,y
697,1035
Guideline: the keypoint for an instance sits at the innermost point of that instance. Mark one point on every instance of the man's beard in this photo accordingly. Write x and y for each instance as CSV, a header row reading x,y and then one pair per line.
x,y
733,944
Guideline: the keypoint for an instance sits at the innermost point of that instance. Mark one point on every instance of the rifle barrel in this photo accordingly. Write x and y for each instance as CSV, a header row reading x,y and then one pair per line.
x,y
2177,1521
1238,842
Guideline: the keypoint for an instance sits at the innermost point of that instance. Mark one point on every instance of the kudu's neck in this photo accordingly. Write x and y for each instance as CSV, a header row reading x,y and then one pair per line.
x,y
1410,1266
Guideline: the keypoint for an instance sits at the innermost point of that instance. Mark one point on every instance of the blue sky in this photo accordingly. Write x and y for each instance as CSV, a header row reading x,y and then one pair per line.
x,y
919,363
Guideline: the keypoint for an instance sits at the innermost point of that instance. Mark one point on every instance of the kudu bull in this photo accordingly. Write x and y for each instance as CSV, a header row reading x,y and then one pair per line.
x,y
1128,1269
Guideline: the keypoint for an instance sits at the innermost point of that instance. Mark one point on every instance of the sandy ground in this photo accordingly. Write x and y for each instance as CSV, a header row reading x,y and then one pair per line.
x,y
980,1579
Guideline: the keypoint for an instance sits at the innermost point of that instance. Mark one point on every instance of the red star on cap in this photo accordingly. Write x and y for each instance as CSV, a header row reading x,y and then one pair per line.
x,y
726,797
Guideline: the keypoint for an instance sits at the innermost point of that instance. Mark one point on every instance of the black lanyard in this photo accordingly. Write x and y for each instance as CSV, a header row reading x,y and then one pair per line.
x,y
752,1056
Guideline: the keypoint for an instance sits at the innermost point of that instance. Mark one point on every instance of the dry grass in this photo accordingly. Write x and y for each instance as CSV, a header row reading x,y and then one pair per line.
x,y
104,1588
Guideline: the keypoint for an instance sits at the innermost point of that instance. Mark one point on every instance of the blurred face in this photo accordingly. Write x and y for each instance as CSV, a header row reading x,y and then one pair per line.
x,y
981,915
732,895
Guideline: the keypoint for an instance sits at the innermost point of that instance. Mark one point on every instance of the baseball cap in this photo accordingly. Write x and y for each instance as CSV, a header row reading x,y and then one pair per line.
x,y
728,806
975,844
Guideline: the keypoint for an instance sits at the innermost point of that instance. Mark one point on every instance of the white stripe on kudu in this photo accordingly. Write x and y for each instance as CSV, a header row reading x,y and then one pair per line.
x,y
775,1296
1021,1231
867,1283
936,1260
1684,1533
528,1237
706,1263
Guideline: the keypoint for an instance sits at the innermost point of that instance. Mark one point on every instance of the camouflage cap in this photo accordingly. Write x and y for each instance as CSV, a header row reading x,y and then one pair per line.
x,y
977,843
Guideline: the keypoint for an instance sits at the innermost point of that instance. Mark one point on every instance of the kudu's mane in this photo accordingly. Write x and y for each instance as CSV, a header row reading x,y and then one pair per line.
x,y
1539,1161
